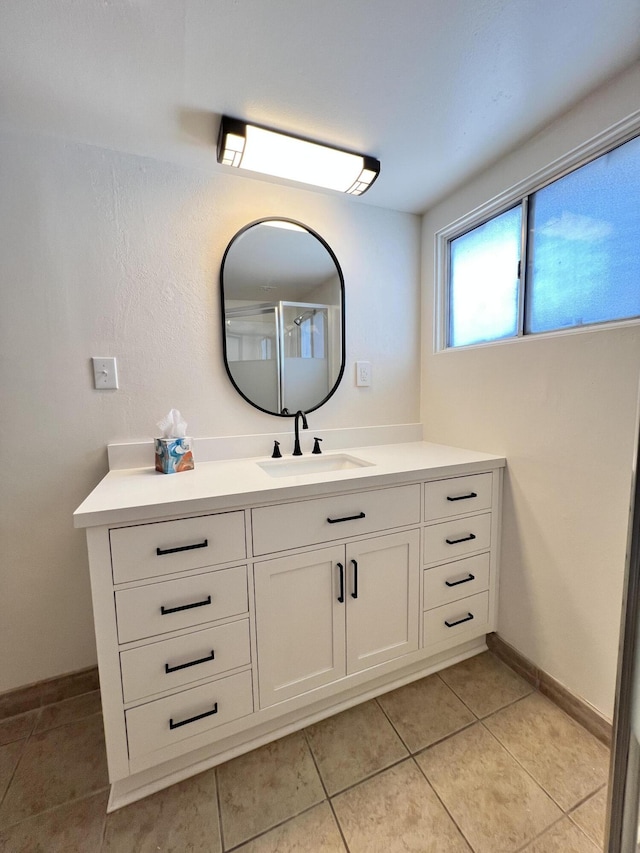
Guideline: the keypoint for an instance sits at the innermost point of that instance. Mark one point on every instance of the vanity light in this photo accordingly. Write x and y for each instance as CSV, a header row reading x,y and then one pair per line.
x,y
259,149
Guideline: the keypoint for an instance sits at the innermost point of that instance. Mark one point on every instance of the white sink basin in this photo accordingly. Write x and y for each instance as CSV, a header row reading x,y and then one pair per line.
x,y
300,465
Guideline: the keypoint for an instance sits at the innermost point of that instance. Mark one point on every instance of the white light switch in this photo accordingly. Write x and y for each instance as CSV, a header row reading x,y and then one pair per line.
x,y
105,373
363,374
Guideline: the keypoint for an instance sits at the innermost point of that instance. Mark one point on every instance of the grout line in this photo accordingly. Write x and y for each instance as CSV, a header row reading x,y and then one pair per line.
x,y
443,804
539,835
324,787
220,829
271,828
57,806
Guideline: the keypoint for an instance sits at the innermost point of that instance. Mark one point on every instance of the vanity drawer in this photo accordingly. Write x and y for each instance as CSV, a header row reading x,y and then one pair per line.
x,y
447,583
171,605
149,550
458,621
456,496
167,721
452,539
278,528
181,660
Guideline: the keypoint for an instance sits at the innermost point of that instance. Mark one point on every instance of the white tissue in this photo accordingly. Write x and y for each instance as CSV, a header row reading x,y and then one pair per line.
x,y
173,426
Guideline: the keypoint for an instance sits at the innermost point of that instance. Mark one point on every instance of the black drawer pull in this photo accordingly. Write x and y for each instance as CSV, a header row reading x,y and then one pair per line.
x,y
464,580
169,669
161,552
348,518
164,610
464,539
463,497
467,618
341,596
173,725
354,594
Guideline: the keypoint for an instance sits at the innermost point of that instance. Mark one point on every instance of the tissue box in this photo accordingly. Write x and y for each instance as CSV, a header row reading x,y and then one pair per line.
x,y
173,455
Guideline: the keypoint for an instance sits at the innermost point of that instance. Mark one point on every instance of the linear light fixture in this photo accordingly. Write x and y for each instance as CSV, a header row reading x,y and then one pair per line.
x,y
259,149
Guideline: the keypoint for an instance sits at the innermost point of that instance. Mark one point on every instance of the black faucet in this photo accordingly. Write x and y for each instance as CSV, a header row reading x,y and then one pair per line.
x,y
305,425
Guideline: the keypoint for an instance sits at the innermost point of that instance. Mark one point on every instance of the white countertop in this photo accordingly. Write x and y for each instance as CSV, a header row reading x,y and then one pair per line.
x,y
137,494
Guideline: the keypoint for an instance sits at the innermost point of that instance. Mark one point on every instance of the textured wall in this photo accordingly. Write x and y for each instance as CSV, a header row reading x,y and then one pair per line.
x,y
562,409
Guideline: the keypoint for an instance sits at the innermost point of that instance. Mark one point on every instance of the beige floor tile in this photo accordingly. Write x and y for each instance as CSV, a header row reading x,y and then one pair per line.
x,y
563,837
495,803
73,828
591,816
561,756
69,710
485,684
16,728
425,711
59,765
315,830
9,756
353,745
396,811
181,818
266,787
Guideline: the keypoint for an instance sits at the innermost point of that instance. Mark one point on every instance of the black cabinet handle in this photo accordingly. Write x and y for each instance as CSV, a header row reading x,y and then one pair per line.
x,y
341,596
169,669
164,610
173,725
160,552
354,594
467,618
463,497
348,518
464,580
464,539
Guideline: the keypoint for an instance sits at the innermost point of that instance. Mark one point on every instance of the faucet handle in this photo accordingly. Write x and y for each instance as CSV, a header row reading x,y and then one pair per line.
x,y
316,446
276,451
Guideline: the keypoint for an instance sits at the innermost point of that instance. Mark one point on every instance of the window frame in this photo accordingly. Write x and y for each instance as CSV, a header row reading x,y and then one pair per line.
x,y
518,194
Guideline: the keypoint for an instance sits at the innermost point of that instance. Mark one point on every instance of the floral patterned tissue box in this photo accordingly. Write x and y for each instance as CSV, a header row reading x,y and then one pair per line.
x,y
173,455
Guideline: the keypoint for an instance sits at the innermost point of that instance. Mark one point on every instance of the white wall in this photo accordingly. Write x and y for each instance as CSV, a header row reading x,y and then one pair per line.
x,y
562,410
108,250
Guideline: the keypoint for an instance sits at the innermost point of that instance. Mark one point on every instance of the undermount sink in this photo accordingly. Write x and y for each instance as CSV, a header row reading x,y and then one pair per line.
x,y
301,465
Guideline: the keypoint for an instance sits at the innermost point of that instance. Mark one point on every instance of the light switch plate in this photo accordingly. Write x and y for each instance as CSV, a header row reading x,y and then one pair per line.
x,y
105,373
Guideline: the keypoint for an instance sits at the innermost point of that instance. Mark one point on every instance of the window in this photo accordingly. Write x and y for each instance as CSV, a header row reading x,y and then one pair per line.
x,y
580,236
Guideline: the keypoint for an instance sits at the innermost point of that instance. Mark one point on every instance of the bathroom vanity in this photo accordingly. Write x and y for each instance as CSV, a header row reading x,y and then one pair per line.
x,y
241,601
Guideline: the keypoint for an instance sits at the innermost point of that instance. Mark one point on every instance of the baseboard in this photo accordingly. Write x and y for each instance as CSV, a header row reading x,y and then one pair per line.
x,y
577,708
33,696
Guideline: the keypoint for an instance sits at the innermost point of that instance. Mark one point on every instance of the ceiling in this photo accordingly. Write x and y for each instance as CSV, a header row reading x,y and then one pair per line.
x,y
435,89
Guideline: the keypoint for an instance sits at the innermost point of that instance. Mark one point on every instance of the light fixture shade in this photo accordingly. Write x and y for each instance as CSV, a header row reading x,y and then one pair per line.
x,y
259,149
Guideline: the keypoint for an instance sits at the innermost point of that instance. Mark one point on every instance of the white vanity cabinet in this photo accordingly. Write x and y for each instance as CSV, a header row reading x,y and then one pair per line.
x,y
332,612
227,620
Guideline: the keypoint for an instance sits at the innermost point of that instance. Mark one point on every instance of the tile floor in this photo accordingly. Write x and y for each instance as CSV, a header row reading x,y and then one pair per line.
x,y
471,759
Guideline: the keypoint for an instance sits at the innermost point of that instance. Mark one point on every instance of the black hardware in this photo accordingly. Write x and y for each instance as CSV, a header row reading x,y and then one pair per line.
x,y
467,618
341,596
160,551
173,725
276,451
347,518
354,594
464,539
464,580
463,497
164,610
305,425
169,669
316,446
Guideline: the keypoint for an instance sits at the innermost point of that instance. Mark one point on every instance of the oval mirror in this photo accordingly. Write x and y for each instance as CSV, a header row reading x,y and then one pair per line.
x,y
283,316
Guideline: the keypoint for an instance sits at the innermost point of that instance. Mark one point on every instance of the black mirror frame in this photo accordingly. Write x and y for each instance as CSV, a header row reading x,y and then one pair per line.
x,y
342,312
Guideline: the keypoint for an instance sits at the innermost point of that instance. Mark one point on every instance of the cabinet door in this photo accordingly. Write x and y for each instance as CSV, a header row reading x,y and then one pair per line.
x,y
382,599
300,623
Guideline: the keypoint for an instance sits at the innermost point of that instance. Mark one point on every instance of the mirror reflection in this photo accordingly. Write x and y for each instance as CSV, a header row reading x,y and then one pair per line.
x,y
283,315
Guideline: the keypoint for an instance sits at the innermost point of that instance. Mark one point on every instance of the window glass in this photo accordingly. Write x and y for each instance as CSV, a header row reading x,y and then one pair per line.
x,y
584,244
484,281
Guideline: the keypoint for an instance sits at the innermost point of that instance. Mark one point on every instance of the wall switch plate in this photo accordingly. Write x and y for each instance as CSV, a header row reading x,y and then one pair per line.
x,y
363,374
105,373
